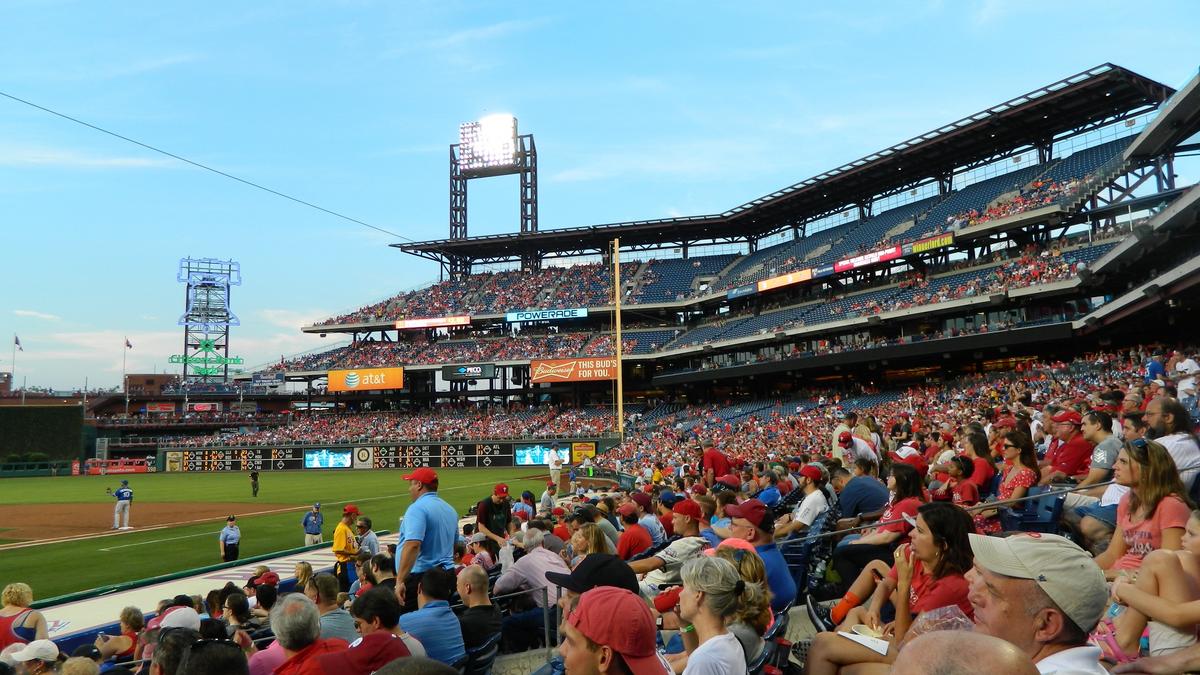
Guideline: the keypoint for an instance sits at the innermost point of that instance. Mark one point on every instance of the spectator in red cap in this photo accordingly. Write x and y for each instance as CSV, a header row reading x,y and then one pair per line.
x,y
345,547
427,535
1072,456
809,508
662,568
755,523
493,515
594,643
854,447
634,539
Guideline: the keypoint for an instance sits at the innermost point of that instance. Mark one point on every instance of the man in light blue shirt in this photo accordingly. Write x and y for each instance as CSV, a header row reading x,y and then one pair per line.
x,y
434,624
427,533
647,520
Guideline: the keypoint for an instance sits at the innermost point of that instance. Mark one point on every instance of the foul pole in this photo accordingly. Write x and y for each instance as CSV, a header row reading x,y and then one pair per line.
x,y
620,394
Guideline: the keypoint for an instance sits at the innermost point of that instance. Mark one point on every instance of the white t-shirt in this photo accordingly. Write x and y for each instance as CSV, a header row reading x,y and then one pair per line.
x,y
1083,660
673,557
810,507
860,448
721,655
1186,454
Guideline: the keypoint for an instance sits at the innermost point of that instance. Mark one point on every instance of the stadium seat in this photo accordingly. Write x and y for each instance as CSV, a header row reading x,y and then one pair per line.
x,y
1039,515
479,659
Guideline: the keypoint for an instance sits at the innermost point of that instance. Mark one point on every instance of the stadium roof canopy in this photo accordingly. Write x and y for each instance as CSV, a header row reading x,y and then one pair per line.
x,y
1085,101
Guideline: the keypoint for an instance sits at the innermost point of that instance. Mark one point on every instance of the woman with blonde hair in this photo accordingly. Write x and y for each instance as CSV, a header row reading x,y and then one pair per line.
x,y
121,647
304,572
753,619
713,594
589,538
18,623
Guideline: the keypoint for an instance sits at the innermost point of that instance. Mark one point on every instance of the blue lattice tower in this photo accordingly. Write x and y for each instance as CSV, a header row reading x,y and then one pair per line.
x,y
207,318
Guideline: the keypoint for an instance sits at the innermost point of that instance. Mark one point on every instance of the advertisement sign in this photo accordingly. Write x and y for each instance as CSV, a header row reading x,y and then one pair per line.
x,y
204,407
882,255
741,291
579,451
161,407
263,377
929,244
822,271
573,370
537,454
244,407
366,379
546,315
438,322
483,371
784,280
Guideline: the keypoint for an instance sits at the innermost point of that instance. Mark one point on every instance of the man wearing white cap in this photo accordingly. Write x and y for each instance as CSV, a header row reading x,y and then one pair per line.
x,y
1043,594
36,657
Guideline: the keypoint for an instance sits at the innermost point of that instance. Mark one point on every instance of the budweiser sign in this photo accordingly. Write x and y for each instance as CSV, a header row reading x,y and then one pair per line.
x,y
573,370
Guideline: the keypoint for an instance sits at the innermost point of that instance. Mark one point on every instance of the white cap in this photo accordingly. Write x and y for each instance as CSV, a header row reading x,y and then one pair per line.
x,y
1072,579
181,617
38,650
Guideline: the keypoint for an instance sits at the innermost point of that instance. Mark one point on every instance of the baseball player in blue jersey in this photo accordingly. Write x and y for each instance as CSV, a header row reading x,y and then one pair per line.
x,y
124,497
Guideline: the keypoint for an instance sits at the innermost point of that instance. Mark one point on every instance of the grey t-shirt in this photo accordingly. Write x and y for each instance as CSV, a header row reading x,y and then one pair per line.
x,y
1104,455
338,624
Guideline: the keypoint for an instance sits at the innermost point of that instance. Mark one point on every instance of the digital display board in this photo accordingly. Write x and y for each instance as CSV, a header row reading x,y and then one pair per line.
x,y
538,454
546,314
881,255
438,322
482,371
327,459
784,280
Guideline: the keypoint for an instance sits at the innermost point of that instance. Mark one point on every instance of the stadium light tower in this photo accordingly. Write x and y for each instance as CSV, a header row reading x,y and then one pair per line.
x,y
207,318
489,147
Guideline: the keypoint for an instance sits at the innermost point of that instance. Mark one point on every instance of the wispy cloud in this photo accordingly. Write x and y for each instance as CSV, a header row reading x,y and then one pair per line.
x,y
33,314
60,158
293,319
461,48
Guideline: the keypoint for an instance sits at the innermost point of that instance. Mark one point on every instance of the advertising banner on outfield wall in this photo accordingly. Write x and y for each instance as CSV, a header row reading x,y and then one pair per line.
x,y
546,315
741,291
573,370
580,451
160,407
439,322
366,379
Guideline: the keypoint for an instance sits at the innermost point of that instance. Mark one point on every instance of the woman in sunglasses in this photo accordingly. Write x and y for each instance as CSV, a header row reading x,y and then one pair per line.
x,y
1152,515
1022,473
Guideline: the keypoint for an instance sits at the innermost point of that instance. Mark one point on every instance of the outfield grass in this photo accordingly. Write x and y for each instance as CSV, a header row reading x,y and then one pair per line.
x,y
60,568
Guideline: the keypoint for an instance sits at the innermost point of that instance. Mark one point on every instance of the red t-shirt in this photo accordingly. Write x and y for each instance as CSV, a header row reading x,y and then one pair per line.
x,y
633,541
904,507
964,493
983,473
562,532
1073,458
717,461
668,524
926,593
1146,536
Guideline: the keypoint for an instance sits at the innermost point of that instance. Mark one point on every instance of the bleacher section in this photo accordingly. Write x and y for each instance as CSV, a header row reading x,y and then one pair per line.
x,y
666,280
977,196
1085,162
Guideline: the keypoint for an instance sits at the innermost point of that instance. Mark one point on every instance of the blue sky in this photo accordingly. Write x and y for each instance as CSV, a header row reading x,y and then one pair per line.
x,y
640,110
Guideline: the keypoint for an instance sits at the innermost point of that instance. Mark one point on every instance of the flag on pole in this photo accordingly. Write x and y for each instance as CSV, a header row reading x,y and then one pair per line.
x,y
17,342
128,345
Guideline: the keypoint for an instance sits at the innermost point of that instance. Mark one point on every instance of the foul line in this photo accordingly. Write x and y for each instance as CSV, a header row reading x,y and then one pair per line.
x,y
152,528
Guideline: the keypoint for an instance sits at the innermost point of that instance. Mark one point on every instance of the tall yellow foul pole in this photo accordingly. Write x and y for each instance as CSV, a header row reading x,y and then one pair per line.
x,y
616,275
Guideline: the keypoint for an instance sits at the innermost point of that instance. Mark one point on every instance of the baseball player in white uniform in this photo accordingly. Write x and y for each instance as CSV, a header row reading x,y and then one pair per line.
x,y
124,497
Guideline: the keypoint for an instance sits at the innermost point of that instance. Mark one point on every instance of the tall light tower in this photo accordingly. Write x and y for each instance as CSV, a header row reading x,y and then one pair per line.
x,y
207,318
491,147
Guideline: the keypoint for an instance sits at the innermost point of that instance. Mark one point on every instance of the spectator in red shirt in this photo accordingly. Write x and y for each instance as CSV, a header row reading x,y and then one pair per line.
x,y
635,538
714,462
1072,457
295,622
958,489
977,450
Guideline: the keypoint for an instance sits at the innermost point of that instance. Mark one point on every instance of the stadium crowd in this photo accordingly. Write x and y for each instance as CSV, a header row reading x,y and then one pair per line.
x,y
872,509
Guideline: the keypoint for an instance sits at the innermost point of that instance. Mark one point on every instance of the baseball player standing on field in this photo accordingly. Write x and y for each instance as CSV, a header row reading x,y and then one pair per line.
x,y
124,497
254,482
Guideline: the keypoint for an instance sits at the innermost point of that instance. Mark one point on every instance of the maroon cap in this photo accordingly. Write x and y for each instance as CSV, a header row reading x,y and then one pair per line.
x,y
642,499
845,439
633,637
687,507
1069,416
423,474
754,511
811,472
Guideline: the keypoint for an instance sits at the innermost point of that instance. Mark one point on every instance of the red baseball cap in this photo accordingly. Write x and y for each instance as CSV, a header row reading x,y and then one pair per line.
x,y
793,466
268,578
626,509
811,472
730,480
687,507
1069,416
350,508
845,439
501,490
633,637
698,489
947,436
559,511
1008,423
521,515
754,511
423,474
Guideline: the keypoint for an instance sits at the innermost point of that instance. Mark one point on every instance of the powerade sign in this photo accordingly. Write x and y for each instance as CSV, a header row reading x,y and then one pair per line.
x,y
484,371
546,315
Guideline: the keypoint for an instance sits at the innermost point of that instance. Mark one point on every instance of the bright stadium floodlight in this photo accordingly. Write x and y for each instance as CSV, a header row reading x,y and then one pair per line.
x,y
489,143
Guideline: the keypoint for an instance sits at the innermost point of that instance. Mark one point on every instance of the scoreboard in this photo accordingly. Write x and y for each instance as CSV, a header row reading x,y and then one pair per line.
x,y
390,456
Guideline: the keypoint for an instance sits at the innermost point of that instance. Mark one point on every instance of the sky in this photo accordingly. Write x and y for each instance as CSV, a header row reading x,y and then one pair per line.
x,y
639,110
